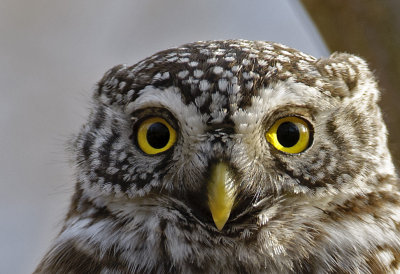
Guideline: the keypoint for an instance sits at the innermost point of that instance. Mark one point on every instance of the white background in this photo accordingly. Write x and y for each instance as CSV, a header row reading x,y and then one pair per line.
x,y
51,55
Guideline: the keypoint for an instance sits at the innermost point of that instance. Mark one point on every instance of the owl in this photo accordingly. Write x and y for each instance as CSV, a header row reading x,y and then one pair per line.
x,y
232,156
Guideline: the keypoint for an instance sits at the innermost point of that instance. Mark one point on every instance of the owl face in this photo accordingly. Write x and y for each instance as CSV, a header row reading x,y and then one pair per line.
x,y
233,157
228,129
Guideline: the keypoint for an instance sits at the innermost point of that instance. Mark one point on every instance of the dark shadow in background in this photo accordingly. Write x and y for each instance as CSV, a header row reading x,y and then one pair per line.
x,y
370,29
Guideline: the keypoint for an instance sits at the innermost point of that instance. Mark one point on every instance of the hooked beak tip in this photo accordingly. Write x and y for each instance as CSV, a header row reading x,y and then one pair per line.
x,y
220,223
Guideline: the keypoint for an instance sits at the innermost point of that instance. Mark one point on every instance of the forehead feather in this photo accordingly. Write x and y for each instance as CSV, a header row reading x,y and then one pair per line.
x,y
213,75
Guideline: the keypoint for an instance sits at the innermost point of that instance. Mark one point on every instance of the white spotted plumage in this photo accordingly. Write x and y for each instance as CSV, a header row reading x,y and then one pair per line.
x,y
333,207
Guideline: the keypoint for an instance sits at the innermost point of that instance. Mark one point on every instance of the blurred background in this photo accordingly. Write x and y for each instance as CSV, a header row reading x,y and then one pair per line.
x,y
51,55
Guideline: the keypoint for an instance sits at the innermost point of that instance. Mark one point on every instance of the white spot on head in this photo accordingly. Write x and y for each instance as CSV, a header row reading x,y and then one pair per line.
x,y
233,89
285,52
307,57
107,188
218,70
269,52
130,93
183,60
222,84
267,56
229,58
191,80
172,54
182,74
165,75
205,51
131,75
283,46
283,59
198,73
204,85
173,59
235,68
262,62
212,60
385,256
249,85
245,62
183,54
303,65
157,77
268,47
200,100
122,85
219,52
352,73
227,73
319,83
217,101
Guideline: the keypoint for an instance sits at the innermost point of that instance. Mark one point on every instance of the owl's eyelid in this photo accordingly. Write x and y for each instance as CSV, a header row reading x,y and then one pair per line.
x,y
148,112
141,112
302,112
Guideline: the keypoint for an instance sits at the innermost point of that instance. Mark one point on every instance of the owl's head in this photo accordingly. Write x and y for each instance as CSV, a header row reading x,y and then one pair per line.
x,y
227,135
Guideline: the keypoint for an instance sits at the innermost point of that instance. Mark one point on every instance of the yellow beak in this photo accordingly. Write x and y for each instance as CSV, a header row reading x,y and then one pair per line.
x,y
221,194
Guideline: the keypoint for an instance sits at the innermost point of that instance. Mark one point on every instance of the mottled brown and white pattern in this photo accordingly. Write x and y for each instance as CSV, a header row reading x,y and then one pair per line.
x,y
333,208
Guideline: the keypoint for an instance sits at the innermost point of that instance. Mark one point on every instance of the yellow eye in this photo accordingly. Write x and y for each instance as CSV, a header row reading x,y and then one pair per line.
x,y
155,135
289,134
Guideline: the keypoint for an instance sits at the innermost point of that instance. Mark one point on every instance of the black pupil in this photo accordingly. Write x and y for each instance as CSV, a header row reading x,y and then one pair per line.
x,y
288,134
157,135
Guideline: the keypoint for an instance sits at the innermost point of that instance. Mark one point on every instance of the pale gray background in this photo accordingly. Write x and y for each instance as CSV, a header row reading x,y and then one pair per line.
x,y
52,53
